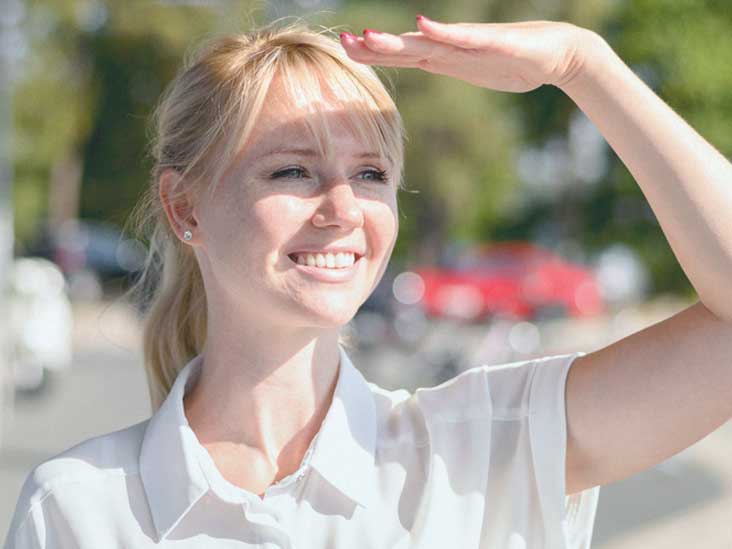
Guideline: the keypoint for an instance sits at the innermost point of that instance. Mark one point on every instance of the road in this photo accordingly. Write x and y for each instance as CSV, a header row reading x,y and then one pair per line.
x,y
684,502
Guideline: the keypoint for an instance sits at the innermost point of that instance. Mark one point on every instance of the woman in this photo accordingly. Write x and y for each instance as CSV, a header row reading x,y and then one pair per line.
x,y
280,146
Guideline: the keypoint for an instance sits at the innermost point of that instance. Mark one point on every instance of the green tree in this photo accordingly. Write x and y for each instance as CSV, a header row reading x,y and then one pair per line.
x,y
96,70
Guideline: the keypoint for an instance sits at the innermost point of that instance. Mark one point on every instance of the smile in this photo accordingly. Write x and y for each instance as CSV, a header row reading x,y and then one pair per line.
x,y
328,259
328,274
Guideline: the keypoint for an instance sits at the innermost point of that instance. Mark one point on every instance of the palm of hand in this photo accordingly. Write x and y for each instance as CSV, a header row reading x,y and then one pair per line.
x,y
514,57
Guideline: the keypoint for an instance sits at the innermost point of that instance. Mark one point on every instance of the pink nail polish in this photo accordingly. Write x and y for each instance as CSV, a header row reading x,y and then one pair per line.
x,y
421,17
348,36
372,31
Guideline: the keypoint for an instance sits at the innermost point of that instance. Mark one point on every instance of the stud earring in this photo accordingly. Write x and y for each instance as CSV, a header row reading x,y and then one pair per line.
x,y
187,235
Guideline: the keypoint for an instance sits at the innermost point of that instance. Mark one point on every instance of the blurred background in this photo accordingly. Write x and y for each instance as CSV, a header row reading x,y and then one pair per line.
x,y
522,234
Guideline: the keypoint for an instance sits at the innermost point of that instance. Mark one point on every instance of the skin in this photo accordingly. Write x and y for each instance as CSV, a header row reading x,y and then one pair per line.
x,y
271,358
648,396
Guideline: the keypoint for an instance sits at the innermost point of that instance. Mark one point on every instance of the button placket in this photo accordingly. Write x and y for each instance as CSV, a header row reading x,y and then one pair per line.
x,y
268,523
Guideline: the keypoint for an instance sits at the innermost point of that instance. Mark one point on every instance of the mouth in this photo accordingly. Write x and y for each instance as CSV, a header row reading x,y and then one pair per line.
x,y
345,273
340,263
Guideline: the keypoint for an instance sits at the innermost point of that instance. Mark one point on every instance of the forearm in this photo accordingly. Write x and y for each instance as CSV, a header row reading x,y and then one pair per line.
x,y
687,182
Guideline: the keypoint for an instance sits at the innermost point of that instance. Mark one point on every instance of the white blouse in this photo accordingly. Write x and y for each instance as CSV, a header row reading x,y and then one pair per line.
x,y
475,462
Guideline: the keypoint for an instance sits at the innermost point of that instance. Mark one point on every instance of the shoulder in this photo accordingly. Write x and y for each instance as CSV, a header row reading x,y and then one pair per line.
x,y
88,463
503,391
110,453
493,392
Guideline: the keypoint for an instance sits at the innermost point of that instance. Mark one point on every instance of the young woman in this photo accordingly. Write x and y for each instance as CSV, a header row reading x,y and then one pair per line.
x,y
273,210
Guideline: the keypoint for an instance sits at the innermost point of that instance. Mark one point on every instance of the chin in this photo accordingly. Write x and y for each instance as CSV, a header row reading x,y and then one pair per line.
x,y
331,318
333,321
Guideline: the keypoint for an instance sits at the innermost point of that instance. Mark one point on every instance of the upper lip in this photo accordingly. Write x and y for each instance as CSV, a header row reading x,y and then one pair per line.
x,y
329,249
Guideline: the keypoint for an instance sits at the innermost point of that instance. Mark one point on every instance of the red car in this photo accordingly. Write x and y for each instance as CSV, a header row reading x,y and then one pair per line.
x,y
514,279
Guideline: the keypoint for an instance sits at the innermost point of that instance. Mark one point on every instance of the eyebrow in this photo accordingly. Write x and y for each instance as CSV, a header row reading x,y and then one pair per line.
x,y
311,152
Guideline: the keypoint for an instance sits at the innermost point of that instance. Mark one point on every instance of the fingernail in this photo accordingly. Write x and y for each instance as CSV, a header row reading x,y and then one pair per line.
x,y
421,17
348,35
366,31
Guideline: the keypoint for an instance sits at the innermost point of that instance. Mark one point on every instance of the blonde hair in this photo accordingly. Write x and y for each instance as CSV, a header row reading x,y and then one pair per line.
x,y
206,113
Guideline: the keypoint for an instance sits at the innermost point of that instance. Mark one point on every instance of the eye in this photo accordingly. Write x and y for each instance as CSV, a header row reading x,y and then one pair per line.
x,y
374,174
283,173
379,175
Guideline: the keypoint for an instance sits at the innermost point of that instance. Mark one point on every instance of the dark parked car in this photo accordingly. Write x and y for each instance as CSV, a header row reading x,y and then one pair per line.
x,y
385,317
86,245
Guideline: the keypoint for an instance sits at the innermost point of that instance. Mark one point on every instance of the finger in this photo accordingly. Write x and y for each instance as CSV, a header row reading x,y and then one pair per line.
x,y
408,44
357,49
385,42
352,43
463,35
386,60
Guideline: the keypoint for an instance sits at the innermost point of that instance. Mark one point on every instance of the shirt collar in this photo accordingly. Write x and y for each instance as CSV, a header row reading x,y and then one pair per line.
x,y
343,453
345,449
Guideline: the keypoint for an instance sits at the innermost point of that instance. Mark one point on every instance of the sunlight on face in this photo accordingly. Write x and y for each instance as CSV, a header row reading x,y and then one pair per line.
x,y
288,192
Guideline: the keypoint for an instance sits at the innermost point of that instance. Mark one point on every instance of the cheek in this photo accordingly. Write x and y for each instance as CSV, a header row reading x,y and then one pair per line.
x,y
383,226
278,217
240,230
382,229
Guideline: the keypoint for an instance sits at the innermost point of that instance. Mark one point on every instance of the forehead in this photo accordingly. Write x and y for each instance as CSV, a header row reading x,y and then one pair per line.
x,y
296,114
298,98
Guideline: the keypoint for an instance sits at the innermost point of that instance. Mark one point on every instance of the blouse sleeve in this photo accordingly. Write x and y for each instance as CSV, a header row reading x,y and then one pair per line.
x,y
23,537
24,530
548,432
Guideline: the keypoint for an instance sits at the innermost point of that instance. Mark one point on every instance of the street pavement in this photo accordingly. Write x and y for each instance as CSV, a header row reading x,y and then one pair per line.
x,y
683,502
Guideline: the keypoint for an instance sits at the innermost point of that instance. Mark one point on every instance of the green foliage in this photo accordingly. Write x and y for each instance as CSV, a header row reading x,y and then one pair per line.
x,y
92,79
678,48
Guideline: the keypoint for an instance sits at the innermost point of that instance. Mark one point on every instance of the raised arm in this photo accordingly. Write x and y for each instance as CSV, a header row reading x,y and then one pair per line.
x,y
652,394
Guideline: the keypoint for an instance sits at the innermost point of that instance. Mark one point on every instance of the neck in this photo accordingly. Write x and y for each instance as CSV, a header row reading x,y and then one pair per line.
x,y
262,394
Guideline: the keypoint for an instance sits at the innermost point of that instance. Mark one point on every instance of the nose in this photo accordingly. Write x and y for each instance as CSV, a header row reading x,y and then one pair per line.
x,y
339,206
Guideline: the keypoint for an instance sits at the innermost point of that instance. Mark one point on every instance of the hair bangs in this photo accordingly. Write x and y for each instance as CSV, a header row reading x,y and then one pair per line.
x,y
314,80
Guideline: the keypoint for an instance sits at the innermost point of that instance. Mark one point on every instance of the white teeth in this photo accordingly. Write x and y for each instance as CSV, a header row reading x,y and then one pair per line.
x,y
326,261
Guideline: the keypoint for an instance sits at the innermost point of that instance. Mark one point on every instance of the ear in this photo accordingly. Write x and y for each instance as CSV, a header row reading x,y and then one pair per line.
x,y
177,202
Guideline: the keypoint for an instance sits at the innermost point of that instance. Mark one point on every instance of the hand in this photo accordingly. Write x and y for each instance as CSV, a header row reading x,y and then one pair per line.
x,y
515,57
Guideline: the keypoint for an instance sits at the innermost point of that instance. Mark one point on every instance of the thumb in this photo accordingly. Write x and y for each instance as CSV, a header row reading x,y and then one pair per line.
x,y
463,35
